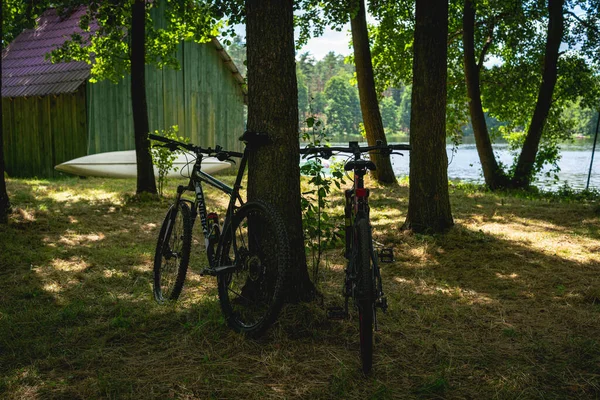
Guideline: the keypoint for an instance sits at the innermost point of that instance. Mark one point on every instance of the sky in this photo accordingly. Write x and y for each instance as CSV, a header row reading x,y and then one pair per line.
x,y
338,42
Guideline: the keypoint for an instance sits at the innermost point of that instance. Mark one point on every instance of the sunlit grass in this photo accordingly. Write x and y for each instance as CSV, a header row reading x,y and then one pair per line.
x,y
505,305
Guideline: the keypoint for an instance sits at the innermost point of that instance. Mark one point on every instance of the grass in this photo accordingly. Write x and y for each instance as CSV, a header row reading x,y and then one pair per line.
x,y
506,305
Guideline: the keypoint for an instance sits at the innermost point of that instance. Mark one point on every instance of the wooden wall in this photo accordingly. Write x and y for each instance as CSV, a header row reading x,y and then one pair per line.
x,y
41,132
202,98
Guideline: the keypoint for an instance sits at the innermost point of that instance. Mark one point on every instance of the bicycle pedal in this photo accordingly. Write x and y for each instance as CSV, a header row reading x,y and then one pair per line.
x,y
336,313
382,303
386,255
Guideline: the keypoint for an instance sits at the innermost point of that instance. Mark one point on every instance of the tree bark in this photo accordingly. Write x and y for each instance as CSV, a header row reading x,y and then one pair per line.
x,y
274,169
368,96
429,203
492,173
524,169
145,170
4,200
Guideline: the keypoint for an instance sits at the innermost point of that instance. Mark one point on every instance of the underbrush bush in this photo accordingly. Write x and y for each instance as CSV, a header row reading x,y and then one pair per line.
x,y
320,229
162,157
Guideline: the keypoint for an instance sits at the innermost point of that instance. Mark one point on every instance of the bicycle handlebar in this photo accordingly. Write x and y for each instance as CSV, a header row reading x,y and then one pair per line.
x,y
218,152
355,149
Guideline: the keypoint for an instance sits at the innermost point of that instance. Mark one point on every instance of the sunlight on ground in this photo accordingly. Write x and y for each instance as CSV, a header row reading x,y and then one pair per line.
x,y
74,264
74,239
545,237
467,295
95,195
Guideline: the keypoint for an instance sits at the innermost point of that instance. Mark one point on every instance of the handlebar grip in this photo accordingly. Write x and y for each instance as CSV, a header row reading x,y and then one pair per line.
x,y
406,147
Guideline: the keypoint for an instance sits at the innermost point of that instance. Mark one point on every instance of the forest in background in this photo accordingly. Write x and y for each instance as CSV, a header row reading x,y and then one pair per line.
x,y
327,90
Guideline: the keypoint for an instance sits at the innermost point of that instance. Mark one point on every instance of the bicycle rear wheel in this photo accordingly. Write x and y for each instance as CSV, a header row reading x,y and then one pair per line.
x,y
256,243
172,253
365,295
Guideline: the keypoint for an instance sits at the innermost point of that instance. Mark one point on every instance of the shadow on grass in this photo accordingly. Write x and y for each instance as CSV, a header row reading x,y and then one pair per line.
x,y
520,322
472,315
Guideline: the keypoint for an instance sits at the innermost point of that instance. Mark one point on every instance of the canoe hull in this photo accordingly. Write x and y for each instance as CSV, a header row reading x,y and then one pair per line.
x,y
122,164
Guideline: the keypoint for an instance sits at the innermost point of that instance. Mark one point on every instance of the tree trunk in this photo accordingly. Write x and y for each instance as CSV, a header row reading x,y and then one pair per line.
x,y
429,203
145,170
4,201
368,96
492,173
524,170
274,169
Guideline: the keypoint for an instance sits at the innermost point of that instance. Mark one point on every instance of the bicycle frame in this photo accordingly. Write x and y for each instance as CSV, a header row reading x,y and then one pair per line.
x,y
357,207
198,206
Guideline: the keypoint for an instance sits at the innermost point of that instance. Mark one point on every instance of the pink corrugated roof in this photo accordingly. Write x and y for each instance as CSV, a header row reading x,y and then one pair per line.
x,y
26,72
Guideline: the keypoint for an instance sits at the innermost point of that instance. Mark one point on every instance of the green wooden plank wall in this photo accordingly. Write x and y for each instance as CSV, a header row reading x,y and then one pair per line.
x,y
41,132
203,98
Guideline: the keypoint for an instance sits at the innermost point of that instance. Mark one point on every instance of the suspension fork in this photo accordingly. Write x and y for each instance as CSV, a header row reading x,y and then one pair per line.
x,y
173,215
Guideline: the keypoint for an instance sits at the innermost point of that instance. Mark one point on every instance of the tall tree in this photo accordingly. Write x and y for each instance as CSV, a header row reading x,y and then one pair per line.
x,y
4,201
369,104
494,175
273,169
343,105
509,88
141,127
429,203
524,169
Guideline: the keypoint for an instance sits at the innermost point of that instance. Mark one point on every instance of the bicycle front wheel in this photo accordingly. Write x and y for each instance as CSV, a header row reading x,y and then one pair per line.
x,y
365,291
172,253
255,243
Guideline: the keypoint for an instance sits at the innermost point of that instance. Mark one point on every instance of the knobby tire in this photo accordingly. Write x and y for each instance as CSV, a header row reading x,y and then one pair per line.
x,y
256,242
365,295
172,254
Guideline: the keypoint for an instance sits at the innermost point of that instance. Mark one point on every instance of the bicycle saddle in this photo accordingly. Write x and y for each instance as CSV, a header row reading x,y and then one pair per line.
x,y
359,164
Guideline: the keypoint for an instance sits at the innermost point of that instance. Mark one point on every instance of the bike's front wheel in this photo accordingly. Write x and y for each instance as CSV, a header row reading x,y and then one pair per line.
x,y
365,291
255,247
172,253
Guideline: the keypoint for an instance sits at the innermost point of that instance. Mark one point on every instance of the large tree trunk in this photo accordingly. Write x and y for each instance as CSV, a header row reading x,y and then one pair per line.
x,y
145,170
4,201
274,169
429,203
492,173
524,168
368,96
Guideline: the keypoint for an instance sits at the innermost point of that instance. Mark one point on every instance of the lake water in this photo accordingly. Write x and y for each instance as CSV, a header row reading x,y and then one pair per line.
x,y
464,165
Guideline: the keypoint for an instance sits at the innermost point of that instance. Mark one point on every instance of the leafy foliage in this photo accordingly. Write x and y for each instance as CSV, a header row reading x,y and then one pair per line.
x,y
18,15
107,49
162,157
320,231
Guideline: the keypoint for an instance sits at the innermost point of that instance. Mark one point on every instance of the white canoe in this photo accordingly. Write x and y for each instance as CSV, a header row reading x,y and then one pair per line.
x,y
122,164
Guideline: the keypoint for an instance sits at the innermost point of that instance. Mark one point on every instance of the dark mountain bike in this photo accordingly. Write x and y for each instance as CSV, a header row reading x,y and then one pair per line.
x,y
249,256
362,275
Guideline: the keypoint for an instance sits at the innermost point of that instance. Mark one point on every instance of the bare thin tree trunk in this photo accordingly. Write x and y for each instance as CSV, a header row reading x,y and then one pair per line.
x,y
369,104
492,173
524,168
4,201
145,170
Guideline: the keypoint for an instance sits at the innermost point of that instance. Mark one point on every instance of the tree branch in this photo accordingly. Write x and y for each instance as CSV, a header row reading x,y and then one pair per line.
x,y
585,24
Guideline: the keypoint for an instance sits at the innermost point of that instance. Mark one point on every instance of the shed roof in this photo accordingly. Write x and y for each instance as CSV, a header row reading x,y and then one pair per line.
x,y
26,72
